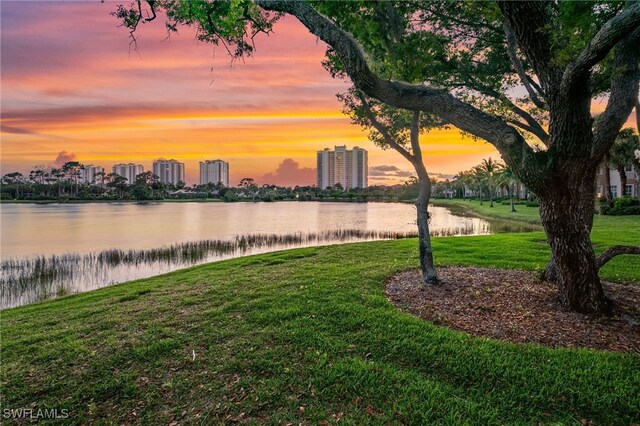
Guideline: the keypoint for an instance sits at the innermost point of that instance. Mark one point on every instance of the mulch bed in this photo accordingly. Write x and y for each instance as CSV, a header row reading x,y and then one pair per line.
x,y
517,307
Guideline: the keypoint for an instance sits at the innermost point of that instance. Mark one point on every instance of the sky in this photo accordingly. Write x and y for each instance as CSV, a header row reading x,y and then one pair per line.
x,y
72,88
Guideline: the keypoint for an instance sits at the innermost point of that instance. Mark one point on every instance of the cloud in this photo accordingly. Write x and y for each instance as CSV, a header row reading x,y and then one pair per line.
x,y
386,172
15,130
383,168
289,173
64,157
441,176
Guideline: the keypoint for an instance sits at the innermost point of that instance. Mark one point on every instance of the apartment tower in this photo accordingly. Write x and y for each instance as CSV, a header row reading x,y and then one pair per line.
x,y
214,171
169,171
347,167
128,171
90,174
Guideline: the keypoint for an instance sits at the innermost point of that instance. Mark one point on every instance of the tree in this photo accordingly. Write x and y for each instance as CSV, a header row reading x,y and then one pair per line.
x,y
15,179
490,169
471,56
479,178
59,176
72,171
509,180
400,130
117,182
148,180
249,185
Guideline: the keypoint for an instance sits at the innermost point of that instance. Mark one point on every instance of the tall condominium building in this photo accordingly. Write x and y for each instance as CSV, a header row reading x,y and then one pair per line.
x,y
169,171
128,171
90,174
214,171
347,167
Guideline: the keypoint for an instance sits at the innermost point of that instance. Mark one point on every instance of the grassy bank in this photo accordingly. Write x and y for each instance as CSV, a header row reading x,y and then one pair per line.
x,y
498,211
305,336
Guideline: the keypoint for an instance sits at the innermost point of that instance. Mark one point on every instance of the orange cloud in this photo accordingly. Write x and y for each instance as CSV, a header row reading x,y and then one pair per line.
x,y
64,157
289,173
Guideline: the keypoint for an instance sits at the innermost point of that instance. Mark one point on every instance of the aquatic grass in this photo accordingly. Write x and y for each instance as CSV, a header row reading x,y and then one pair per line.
x,y
24,281
28,280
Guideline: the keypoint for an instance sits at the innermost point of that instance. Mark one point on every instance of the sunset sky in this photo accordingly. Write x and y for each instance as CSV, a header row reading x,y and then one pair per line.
x,y
73,89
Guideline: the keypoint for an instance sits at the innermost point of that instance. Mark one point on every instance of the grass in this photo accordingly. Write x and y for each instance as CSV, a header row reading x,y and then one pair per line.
x,y
498,211
307,336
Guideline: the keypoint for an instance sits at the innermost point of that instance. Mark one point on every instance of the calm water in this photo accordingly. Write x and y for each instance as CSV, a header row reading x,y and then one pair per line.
x,y
76,233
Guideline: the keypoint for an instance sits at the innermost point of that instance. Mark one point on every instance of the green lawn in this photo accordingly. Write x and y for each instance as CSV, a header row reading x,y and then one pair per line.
x,y
305,336
498,211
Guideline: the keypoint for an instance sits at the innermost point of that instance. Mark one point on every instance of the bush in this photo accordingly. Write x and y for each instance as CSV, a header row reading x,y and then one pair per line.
x,y
622,206
532,204
230,196
626,201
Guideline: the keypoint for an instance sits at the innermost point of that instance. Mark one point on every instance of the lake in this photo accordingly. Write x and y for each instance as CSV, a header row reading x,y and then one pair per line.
x,y
48,250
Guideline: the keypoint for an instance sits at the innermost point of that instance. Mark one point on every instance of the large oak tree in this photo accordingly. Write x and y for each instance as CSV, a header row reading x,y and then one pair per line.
x,y
520,75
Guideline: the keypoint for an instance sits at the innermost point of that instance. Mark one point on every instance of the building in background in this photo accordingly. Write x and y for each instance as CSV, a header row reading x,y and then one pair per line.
x,y
169,171
128,171
214,171
632,186
91,174
347,167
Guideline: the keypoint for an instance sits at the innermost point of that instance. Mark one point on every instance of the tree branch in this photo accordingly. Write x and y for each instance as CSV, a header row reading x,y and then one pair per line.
x,y
623,97
415,137
612,32
614,251
383,131
533,125
530,22
467,118
512,45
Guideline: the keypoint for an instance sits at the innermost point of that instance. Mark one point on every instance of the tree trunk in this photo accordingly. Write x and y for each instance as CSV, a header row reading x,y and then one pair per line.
x,y
490,196
623,178
568,218
607,183
429,274
511,189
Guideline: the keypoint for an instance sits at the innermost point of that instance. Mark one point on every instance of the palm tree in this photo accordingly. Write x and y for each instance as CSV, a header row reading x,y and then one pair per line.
x,y
479,178
509,180
491,170
462,181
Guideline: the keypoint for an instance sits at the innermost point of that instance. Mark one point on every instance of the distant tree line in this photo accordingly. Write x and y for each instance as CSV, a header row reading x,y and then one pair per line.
x,y
66,184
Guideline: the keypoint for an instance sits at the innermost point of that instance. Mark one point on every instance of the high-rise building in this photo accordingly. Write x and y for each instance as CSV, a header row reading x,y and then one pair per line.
x,y
214,171
347,167
359,168
90,174
169,171
128,171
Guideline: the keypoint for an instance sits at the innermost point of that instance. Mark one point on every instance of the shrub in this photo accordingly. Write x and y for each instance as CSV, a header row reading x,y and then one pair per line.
x,y
621,207
230,196
626,201
532,204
